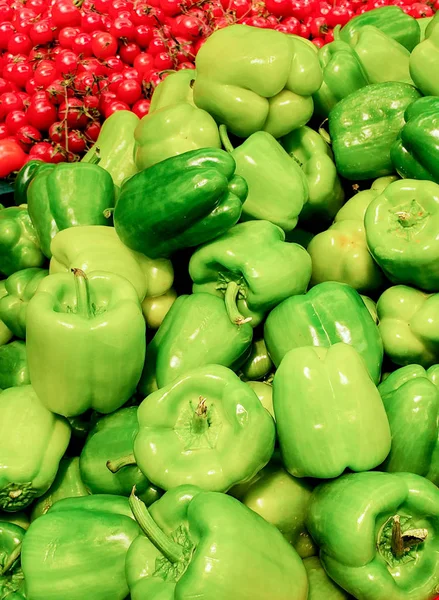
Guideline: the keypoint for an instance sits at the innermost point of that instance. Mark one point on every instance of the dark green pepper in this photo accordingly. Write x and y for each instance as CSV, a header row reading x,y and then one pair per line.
x,y
180,202
24,177
111,439
11,575
364,126
415,153
13,365
19,245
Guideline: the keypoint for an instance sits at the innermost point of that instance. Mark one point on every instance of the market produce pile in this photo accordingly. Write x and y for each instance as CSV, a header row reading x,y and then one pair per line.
x,y
219,339
66,65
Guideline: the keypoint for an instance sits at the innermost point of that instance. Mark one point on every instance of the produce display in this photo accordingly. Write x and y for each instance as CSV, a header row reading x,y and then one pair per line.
x,y
219,339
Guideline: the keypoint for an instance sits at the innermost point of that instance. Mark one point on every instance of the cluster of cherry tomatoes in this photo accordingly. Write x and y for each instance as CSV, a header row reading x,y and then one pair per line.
x,y
66,65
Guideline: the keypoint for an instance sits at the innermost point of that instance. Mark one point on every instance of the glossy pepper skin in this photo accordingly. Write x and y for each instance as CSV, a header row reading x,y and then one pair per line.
x,y
177,88
180,202
111,439
188,551
282,500
424,61
340,253
13,365
329,414
115,147
263,82
5,333
65,548
411,400
155,308
30,449
277,186
97,248
320,585
343,74
364,125
258,364
191,430
196,331
383,58
255,257
68,195
329,313
20,288
19,245
325,192
11,576
408,325
67,484
415,153
391,20
401,229
23,179
171,131
85,342
353,518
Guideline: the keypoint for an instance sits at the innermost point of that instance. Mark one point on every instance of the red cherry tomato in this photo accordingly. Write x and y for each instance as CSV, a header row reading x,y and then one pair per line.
x,y
41,113
104,45
12,157
141,107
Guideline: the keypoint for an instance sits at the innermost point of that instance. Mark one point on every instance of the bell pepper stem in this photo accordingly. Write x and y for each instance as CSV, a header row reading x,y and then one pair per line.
x,y
108,213
200,423
403,541
119,463
83,300
406,219
96,157
11,559
225,139
170,549
230,300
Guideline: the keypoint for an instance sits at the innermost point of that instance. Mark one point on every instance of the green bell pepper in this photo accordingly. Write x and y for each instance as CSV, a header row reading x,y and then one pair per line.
x,y
111,439
206,428
411,400
13,365
434,21
320,585
190,199
329,313
11,576
176,88
343,74
401,229
114,147
337,420
96,248
264,391
258,365
325,192
171,131
20,288
364,125
415,153
85,341
32,442
378,534
196,331
340,253
67,484
281,500
24,177
5,333
67,195
155,308
391,20
424,61
19,246
255,257
79,548
209,545
277,186
423,23
263,82
382,57
409,326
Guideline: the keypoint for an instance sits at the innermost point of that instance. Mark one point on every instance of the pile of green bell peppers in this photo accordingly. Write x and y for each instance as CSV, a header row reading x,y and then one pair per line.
x,y
219,333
